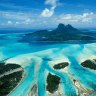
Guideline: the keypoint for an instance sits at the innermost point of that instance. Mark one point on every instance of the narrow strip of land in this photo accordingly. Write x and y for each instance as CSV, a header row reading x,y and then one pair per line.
x,y
10,72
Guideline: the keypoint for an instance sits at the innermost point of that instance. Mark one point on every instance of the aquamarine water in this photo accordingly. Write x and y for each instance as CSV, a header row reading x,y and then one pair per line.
x,y
31,58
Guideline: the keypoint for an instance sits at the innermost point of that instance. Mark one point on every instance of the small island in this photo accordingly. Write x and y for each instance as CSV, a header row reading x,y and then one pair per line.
x,y
10,77
52,83
61,65
89,64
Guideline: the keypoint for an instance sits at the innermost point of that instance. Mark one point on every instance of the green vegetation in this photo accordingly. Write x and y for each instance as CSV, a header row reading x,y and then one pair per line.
x,y
60,34
74,80
52,83
9,82
61,65
89,64
4,68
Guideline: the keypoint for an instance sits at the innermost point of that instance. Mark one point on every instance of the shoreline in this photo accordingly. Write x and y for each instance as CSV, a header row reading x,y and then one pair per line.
x,y
56,60
23,77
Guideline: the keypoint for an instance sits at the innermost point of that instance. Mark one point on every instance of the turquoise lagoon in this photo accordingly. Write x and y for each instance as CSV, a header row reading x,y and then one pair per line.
x,y
31,58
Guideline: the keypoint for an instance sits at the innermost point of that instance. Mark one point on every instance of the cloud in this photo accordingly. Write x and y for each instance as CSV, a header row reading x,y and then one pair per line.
x,y
85,17
9,22
18,19
13,15
30,20
49,12
51,2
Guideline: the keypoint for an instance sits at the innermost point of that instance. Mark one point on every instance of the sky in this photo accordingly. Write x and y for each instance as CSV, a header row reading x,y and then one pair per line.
x,y
40,14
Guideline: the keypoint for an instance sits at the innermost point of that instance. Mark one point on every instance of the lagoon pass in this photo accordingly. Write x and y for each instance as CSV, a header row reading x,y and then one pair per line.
x,y
38,62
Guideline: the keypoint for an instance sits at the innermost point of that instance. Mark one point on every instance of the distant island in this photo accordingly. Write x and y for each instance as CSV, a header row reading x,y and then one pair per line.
x,y
62,33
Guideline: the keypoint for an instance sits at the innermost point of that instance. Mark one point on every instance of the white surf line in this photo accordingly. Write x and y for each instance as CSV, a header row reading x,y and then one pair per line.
x,y
93,61
10,72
